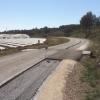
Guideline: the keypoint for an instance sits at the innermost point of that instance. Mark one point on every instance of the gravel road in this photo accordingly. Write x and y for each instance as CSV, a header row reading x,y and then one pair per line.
x,y
14,64
25,86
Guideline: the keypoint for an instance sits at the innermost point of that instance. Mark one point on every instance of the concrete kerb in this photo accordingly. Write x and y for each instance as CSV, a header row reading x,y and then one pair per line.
x,y
19,73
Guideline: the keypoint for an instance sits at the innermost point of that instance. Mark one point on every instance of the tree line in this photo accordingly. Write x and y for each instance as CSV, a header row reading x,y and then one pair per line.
x,y
88,23
64,30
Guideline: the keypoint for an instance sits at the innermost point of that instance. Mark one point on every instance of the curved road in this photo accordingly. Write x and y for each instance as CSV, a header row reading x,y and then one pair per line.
x,y
24,86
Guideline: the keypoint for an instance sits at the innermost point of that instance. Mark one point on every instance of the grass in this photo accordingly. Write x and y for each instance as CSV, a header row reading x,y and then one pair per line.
x,y
51,41
93,95
92,73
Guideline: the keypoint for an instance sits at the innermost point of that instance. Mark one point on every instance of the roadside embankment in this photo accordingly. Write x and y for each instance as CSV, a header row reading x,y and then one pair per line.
x,y
53,87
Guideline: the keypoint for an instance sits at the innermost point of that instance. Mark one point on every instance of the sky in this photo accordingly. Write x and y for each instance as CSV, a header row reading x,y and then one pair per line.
x,y
28,14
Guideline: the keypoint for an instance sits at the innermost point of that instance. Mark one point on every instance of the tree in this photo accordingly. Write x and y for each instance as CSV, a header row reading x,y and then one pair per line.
x,y
45,31
87,22
98,21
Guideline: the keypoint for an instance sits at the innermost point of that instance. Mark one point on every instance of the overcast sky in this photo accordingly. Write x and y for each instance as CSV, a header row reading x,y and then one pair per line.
x,y
27,14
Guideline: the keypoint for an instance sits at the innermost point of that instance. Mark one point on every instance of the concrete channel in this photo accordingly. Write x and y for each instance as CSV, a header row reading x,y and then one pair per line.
x,y
25,85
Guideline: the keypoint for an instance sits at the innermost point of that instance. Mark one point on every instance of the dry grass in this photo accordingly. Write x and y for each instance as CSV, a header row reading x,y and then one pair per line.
x,y
51,41
75,89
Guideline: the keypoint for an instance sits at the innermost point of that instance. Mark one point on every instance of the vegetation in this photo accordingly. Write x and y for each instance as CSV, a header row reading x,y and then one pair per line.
x,y
87,22
51,41
92,65
92,73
